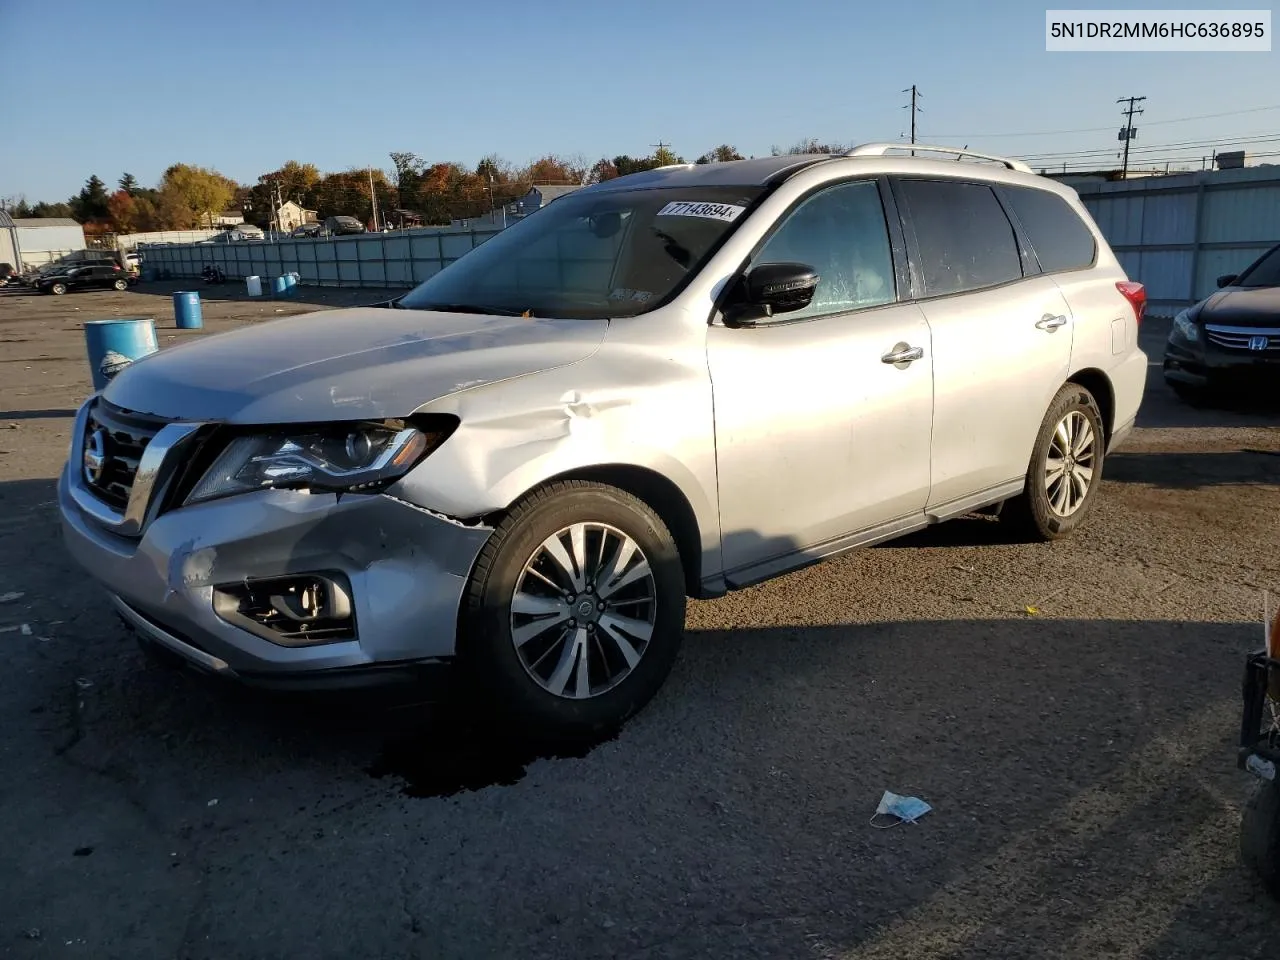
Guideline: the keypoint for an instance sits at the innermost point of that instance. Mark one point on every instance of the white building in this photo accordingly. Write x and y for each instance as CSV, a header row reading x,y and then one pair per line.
x,y
28,242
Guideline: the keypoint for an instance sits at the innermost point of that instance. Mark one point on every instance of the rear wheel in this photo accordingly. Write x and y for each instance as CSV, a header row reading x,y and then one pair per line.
x,y
58,289
1065,470
575,610
121,284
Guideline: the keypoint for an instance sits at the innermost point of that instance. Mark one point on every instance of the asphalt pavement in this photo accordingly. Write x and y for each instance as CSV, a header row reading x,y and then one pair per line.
x,y
1068,710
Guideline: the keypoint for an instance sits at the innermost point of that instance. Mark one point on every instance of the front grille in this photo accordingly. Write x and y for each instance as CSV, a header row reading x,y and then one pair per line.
x,y
122,436
1243,338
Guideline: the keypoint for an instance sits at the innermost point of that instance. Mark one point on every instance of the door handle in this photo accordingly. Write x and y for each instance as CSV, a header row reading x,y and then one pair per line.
x,y
1050,322
903,353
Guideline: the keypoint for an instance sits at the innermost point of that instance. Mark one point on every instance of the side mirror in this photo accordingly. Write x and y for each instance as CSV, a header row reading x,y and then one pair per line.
x,y
1227,279
773,288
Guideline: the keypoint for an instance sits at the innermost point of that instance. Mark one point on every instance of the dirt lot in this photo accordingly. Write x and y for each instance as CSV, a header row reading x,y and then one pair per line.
x,y
1079,759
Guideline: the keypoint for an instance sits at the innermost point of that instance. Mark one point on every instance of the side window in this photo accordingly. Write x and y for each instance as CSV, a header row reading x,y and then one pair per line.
x,y
841,233
965,240
1058,236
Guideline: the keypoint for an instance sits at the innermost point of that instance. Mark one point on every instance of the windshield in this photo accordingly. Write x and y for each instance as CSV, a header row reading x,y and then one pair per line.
x,y
610,254
1264,273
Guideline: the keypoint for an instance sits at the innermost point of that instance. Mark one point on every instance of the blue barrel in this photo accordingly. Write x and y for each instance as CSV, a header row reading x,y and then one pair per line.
x,y
291,284
280,286
113,344
186,310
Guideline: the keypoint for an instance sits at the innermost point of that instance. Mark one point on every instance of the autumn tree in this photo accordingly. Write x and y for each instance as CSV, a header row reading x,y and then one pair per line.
x,y
122,208
603,170
552,170
347,194
191,195
811,145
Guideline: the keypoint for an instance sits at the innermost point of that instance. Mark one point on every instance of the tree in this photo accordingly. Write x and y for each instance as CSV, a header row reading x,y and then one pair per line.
x,y
192,195
603,170
811,145
626,165
408,167
43,209
91,202
297,180
144,213
721,154
129,184
662,157
123,211
551,169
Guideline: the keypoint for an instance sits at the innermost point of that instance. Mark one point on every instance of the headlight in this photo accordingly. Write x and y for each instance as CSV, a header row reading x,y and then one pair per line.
x,y
1185,328
345,457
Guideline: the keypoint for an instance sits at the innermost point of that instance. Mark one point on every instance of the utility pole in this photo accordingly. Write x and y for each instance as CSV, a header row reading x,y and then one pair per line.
x,y
1128,132
373,200
914,108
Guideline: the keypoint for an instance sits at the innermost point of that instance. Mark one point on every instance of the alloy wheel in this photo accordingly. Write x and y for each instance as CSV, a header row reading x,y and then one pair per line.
x,y
1070,464
583,610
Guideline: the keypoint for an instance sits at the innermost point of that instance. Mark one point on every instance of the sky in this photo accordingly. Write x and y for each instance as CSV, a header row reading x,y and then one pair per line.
x,y
244,86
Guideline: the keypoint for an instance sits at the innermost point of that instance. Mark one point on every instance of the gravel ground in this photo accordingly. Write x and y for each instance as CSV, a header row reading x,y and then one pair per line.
x,y
1080,759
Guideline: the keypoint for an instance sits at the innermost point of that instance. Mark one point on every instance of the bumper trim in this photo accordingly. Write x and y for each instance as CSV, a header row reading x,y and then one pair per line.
x,y
185,650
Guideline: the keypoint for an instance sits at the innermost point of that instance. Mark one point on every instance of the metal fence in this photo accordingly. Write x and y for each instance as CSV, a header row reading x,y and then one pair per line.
x,y
396,259
1178,234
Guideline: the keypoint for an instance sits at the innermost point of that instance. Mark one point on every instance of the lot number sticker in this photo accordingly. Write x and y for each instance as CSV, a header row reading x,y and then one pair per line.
x,y
727,212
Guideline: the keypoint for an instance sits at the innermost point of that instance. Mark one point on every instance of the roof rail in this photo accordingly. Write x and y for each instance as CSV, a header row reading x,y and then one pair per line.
x,y
880,149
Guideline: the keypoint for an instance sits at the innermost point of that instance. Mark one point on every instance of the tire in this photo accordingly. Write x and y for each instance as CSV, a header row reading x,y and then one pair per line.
x,y
1038,512
121,285
1260,835
520,682
58,289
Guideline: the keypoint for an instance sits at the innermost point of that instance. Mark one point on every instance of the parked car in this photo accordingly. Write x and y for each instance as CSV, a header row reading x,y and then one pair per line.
x,y
671,384
340,226
7,274
306,231
84,276
1230,339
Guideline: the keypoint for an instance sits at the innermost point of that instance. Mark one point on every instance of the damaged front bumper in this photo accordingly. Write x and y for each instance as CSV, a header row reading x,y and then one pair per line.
x,y
405,570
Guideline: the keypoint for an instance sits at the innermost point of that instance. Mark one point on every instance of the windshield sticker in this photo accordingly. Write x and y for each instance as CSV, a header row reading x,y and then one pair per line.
x,y
727,212
623,293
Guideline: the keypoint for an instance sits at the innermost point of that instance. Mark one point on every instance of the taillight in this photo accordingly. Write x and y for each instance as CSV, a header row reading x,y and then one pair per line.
x,y
1136,294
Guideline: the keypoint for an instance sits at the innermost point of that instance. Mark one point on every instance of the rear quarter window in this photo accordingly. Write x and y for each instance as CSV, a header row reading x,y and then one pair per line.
x,y
1058,236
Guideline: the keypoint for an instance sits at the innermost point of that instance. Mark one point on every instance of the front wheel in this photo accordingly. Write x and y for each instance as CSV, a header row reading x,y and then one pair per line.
x,y
575,610
121,285
58,289
1065,469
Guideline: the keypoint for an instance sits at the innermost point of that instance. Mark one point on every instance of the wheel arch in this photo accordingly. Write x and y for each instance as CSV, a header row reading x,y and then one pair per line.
x,y
659,493
1099,384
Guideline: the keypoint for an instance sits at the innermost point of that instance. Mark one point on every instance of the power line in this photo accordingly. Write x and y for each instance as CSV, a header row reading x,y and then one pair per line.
x,y
1164,147
1054,133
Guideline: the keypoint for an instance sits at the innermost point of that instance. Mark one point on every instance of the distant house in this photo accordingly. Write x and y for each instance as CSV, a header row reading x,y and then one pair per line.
x,y
229,219
537,198
292,215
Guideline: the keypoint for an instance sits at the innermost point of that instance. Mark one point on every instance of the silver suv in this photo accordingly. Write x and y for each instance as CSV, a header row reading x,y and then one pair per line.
x,y
668,385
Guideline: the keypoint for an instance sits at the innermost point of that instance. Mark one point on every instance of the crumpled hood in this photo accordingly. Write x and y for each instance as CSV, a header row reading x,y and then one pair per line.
x,y
345,365
1242,307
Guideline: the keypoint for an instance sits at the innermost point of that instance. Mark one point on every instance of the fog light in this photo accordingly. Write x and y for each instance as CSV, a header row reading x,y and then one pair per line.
x,y
294,611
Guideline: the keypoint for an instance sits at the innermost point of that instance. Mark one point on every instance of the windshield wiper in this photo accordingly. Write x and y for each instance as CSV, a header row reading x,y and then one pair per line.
x,y
466,308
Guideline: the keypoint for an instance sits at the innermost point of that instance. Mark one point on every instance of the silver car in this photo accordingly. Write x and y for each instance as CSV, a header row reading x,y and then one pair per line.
x,y
668,385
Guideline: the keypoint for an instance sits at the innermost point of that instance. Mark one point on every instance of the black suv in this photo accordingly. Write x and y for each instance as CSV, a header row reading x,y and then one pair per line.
x,y
89,275
1232,338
